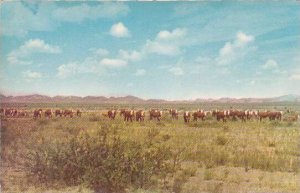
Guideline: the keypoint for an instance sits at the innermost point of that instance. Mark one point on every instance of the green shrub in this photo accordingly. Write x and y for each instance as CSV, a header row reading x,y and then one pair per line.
x,y
104,161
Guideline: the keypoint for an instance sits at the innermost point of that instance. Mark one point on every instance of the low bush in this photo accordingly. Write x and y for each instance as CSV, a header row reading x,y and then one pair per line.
x,y
104,161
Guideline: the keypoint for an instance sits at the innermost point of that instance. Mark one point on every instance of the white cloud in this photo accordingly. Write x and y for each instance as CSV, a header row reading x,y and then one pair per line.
x,y
32,46
119,30
161,48
176,71
67,70
169,35
270,64
130,55
166,42
140,72
110,62
22,17
232,51
30,75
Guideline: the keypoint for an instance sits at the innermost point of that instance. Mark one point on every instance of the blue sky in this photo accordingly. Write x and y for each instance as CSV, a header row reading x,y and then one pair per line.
x,y
169,50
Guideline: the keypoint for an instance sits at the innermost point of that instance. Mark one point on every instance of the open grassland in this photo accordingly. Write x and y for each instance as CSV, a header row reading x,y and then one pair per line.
x,y
91,153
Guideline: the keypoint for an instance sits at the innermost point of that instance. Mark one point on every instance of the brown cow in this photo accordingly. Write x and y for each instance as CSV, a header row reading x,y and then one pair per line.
x,y
58,112
240,114
277,115
37,113
128,115
174,113
8,112
78,113
199,114
221,115
186,116
112,114
154,113
48,113
140,115
68,113
122,111
22,114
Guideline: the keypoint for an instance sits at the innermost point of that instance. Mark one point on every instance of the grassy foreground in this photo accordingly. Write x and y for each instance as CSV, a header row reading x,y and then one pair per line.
x,y
207,156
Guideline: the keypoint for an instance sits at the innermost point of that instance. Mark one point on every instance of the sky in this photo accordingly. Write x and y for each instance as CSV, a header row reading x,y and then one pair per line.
x,y
163,50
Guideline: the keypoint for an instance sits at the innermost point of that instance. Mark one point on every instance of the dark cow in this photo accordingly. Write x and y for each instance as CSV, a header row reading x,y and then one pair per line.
x,y
240,114
7,112
14,113
22,114
277,115
122,111
78,113
58,112
140,115
200,114
154,113
37,113
186,116
263,115
69,113
48,113
128,115
112,114
221,115
174,113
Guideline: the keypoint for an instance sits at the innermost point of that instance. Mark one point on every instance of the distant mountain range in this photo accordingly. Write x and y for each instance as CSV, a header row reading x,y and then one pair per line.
x,y
36,98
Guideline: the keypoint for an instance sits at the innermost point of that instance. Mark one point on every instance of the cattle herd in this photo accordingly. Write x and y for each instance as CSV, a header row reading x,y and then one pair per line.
x,y
139,115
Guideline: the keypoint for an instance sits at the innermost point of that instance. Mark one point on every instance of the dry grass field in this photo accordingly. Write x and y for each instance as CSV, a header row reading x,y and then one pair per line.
x,y
94,154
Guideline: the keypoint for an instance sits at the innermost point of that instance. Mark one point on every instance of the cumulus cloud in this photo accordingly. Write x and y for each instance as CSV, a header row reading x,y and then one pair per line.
x,y
112,62
169,35
166,42
178,71
119,30
66,70
22,17
32,46
130,55
99,51
231,51
140,72
30,75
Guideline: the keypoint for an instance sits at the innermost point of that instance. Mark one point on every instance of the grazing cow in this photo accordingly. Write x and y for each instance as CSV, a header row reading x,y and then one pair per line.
x,y
221,115
277,115
78,113
8,112
14,113
48,113
22,114
186,116
58,112
128,115
122,111
174,113
240,114
154,113
37,113
68,113
140,115
200,114
111,114
263,115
